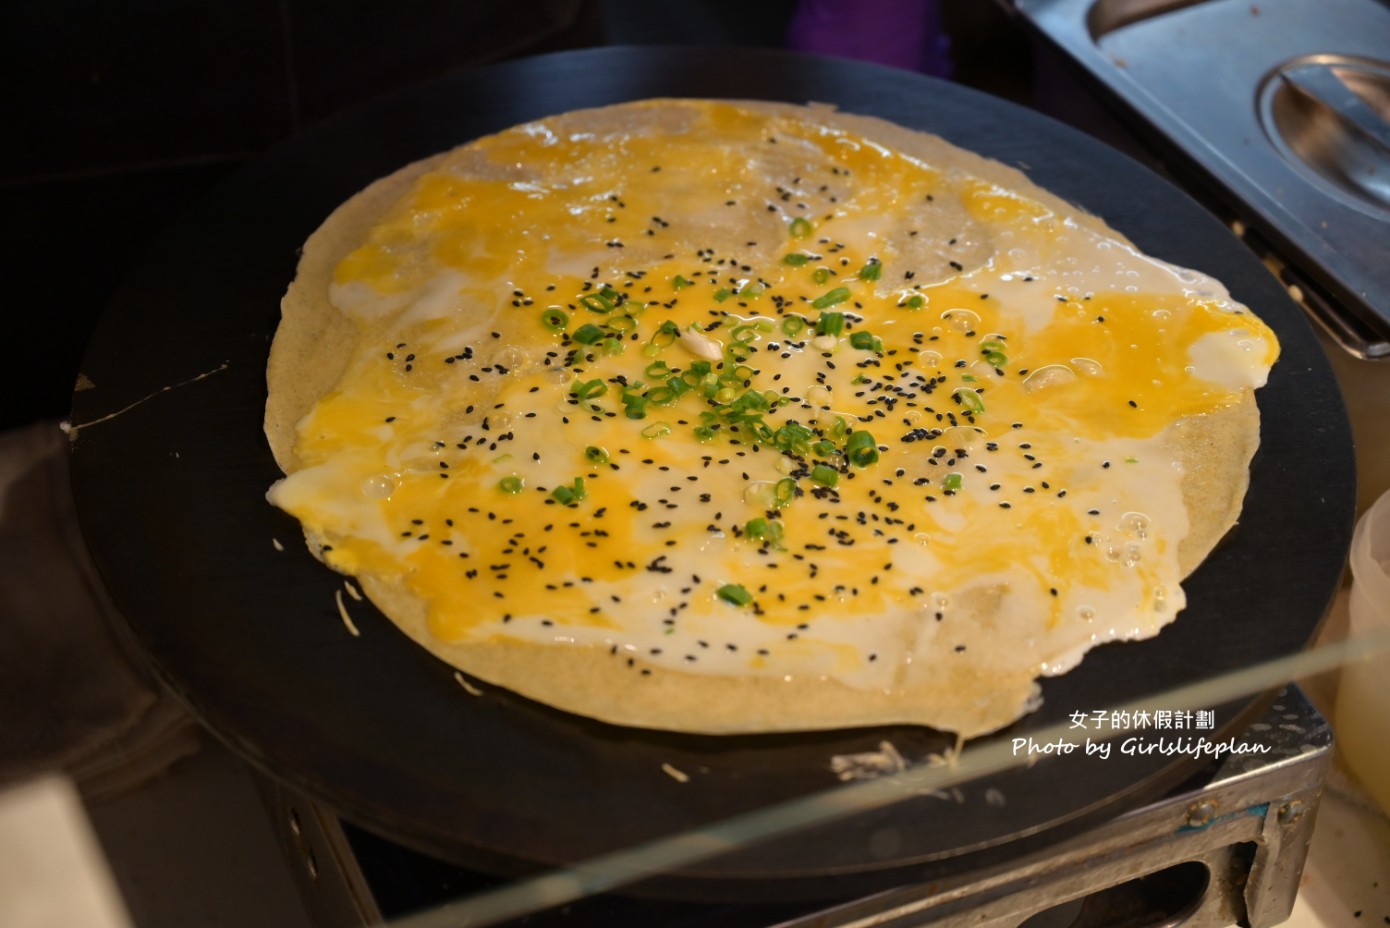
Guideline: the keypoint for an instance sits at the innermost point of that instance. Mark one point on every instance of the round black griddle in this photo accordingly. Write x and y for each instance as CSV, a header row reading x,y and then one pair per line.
x,y
171,497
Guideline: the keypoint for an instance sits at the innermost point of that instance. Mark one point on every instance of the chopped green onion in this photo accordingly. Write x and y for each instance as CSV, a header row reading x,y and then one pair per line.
x,y
859,439
823,448
750,291
656,430
596,455
793,437
993,352
861,449
761,529
744,333
695,374
751,399
913,302
622,324
555,319
596,303
722,294
734,595
510,484
587,334
634,405
662,338
784,493
569,495
831,298
657,370
588,389
830,323
865,341
795,259
824,475
792,325
871,271
820,275
864,457
661,395
704,433
678,282
968,378
951,483
801,228
969,399
611,345
667,333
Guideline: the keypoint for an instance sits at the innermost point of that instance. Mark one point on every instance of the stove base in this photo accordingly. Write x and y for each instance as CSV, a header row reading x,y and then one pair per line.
x,y
1226,848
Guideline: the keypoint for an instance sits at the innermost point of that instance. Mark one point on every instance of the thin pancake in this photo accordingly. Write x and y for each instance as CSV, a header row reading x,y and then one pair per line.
x,y
316,343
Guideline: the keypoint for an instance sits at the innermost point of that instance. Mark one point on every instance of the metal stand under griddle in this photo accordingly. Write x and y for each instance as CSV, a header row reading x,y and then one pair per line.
x,y
1226,848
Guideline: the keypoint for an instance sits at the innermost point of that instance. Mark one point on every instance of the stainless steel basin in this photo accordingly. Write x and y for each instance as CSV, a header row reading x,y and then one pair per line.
x,y
1330,115
1282,107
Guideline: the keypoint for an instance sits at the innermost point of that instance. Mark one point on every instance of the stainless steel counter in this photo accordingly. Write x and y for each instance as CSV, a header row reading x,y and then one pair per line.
x,y
1281,108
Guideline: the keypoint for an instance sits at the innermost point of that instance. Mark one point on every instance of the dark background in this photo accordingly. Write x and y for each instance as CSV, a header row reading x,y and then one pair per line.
x,y
122,115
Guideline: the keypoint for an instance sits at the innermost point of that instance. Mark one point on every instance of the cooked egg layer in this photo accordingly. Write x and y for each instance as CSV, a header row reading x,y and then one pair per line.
x,y
748,395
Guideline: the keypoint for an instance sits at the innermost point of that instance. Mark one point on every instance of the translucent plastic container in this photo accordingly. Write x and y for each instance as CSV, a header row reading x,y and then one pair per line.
x,y
1363,697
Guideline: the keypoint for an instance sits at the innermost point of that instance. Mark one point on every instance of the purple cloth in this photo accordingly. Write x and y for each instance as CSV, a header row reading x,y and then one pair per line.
x,y
899,33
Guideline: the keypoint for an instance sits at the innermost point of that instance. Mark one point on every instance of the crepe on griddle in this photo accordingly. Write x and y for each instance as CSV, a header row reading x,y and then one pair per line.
x,y
748,417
